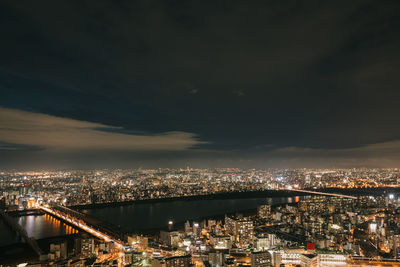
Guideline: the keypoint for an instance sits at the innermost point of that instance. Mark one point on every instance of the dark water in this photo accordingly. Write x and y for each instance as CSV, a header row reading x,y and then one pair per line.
x,y
145,216
138,217
7,236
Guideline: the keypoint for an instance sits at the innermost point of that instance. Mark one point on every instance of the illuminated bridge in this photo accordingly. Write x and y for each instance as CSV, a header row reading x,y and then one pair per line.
x,y
322,193
81,221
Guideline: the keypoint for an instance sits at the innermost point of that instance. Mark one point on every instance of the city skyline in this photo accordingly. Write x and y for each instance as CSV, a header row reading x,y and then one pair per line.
x,y
173,84
201,217
181,133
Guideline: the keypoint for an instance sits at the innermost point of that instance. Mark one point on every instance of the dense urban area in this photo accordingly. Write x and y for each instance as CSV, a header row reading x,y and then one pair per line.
x,y
69,188
310,230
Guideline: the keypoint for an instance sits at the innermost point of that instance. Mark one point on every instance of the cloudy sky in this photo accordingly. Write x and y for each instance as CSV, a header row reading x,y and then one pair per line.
x,y
89,84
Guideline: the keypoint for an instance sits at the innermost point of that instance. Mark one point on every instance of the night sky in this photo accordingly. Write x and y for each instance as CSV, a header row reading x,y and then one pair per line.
x,y
253,84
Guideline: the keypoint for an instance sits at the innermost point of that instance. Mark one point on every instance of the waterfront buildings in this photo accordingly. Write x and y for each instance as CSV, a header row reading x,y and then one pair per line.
x,y
22,190
308,231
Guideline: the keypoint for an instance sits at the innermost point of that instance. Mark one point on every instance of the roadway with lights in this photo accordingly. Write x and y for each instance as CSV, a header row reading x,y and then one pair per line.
x,y
322,193
80,223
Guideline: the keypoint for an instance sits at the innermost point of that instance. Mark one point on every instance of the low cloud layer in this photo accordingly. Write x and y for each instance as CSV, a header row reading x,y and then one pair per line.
x,y
20,129
385,154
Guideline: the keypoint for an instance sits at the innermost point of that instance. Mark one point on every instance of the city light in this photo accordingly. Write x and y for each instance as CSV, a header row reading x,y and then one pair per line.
x,y
308,216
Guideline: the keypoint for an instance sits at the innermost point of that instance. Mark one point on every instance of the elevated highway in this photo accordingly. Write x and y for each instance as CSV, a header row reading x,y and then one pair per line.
x,y
78,220
81,221
322,193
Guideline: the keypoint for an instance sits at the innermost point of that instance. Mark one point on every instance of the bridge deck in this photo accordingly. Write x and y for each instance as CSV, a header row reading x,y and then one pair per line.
x,y
322,193
81,224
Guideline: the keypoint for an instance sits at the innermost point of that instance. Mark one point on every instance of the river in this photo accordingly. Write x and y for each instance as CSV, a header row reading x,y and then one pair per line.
x,y
138,217
146,216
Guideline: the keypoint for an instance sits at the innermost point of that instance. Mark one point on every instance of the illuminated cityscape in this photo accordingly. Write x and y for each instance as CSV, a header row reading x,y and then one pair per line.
x,y
71,188
212,133
305,229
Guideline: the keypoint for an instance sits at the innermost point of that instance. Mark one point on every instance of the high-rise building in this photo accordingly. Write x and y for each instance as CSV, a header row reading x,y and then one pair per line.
x,y
241,229
245,230
196,228
262,243
170,238
178,261
396,246
264,211
216,257
58,251
260,259
85,247
211,223
188,228
230,225
220,241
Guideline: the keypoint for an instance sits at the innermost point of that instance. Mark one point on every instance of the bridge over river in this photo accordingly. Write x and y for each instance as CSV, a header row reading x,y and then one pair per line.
x,y
322,193
79,220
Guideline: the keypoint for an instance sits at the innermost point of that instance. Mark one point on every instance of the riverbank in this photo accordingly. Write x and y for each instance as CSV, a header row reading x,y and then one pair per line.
x,y
244,195
372,191
219,196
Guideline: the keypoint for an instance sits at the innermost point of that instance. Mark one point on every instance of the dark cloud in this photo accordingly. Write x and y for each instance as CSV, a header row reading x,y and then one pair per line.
x,y
318,75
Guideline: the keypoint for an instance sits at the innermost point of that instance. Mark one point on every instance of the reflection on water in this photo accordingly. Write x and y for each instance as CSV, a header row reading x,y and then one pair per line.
x,y
144,216
136,217
43,226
